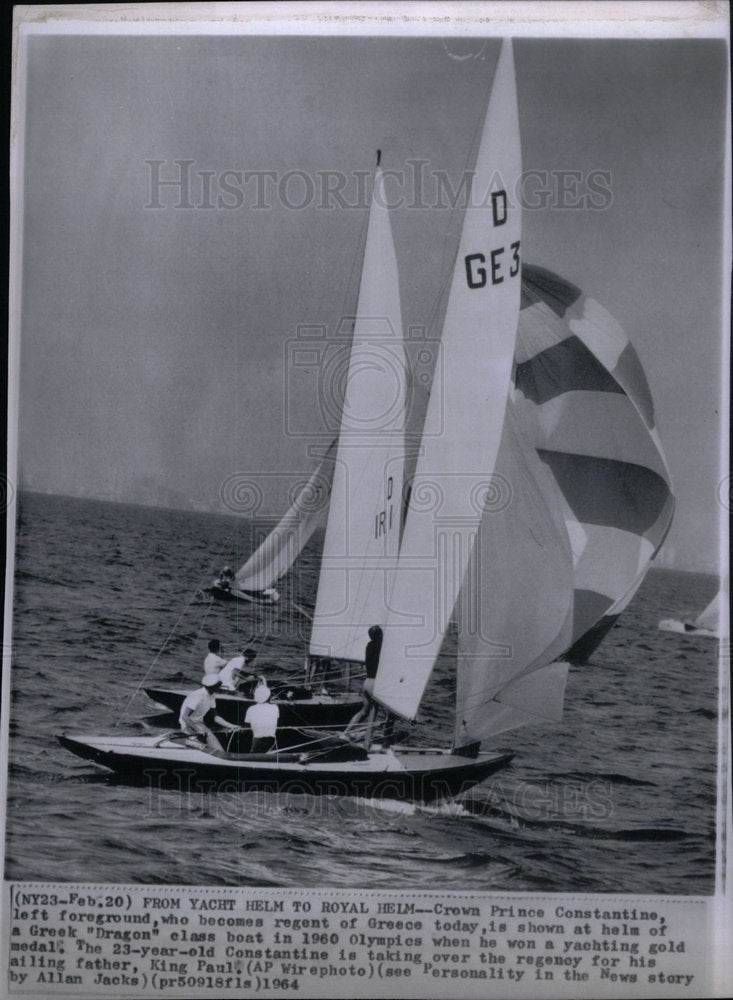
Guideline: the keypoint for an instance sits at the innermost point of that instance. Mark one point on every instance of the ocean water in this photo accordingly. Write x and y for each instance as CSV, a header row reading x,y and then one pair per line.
x,y
618,797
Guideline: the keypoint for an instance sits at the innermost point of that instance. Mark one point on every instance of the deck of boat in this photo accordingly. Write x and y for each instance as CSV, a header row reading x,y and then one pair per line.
x,y
319,710
402,772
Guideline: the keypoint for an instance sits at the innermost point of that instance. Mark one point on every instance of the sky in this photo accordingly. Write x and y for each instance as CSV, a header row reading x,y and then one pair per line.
x,y
160,343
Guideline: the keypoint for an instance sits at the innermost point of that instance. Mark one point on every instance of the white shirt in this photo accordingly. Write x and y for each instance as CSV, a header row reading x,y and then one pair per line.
x,y
195,706
263,719
213,663
226,675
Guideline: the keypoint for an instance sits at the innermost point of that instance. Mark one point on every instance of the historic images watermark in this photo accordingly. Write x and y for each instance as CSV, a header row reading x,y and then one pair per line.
x,y
184,184
323,364
502,802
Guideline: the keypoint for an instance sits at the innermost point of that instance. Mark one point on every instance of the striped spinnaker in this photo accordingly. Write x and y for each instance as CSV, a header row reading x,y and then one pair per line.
x,y
593,417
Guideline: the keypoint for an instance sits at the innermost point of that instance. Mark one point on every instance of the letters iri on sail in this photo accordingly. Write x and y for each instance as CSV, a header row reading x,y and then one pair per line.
x,y
464,420
362,534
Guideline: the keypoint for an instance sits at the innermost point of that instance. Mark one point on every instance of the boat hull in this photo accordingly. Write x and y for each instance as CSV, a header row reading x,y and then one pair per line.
x,y
685,628
321,710
402,773
244,596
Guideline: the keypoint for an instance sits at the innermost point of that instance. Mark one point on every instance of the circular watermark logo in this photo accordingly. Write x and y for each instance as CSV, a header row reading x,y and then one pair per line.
x,y
310,496
426,495
241,494
363,390
723,493
7,492
493,495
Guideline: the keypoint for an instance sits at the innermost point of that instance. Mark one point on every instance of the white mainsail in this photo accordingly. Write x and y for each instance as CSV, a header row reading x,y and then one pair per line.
x,y
465,416
363,530
283,545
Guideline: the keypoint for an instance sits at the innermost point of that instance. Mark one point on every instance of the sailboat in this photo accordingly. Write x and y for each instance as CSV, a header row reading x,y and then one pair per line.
x,y
539,497
359,483
708,623
255,580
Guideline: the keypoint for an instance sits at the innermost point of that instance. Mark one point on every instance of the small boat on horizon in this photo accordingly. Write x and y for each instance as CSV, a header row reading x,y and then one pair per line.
x,y
707,624
222,593
255,581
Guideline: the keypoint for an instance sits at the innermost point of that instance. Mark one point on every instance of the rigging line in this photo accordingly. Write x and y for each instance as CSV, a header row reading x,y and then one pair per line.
x,y
299,607
155,660
356,262
167,639
259,644
203,622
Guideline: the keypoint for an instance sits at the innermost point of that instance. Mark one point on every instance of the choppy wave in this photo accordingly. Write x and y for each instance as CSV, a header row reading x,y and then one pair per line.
x,y
620,796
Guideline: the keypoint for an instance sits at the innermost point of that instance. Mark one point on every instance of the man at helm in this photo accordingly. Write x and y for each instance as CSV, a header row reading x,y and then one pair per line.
x,y
197,705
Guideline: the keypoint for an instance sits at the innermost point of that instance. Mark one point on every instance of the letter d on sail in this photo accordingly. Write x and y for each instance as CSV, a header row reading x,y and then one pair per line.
x,y
464,421
498,207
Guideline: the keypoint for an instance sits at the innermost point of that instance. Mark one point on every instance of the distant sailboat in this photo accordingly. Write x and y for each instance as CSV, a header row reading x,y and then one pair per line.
x,y
255,580
708,623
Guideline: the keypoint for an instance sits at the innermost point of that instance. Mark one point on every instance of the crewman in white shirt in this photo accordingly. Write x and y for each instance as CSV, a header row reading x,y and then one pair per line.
x,y
198,704
214,661
262,717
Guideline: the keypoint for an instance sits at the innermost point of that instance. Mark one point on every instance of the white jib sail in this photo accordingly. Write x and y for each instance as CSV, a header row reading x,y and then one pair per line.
x,y
465,414
363,530
283,545
710,617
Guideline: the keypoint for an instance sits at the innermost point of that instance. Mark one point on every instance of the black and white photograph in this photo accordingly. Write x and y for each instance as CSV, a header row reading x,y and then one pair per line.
x,y
368,479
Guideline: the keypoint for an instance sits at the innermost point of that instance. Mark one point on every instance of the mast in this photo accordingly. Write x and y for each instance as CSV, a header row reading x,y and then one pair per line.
x,y
465,415
362,533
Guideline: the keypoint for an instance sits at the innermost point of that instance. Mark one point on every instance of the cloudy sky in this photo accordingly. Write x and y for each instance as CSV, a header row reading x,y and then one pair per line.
x,y
158,324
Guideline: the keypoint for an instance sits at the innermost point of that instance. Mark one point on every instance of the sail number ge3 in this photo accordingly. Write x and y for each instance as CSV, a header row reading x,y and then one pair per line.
x,y
476,276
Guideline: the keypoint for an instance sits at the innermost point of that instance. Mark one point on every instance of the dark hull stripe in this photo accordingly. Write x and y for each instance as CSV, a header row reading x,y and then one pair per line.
x,y
583,648
588,608
293,713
